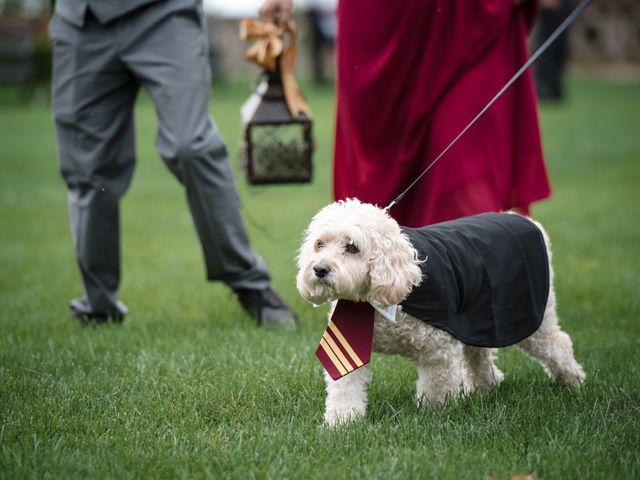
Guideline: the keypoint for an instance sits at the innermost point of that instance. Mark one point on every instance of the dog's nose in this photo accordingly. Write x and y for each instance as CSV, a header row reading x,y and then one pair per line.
x,y
321,270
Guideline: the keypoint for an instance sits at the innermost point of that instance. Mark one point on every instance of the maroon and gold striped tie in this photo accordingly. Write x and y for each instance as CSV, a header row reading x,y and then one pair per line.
x,y
346,343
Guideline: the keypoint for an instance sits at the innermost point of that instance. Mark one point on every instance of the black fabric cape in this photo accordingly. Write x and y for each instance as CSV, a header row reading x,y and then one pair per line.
x,y
485,278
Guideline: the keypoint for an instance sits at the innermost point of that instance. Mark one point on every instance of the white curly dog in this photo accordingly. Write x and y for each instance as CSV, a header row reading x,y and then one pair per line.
x,y
356,251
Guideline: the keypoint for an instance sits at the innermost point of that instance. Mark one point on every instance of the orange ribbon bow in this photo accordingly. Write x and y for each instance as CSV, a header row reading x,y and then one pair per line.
x,y
270,52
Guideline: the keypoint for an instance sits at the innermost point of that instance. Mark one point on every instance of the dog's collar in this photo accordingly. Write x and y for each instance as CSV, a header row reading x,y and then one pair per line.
x,y
387,312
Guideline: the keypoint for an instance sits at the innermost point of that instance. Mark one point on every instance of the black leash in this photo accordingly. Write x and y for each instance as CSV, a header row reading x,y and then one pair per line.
x,y
561,28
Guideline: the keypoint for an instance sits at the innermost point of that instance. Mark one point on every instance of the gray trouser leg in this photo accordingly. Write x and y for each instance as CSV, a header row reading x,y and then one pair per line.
x,y
93,95
169,58
97,72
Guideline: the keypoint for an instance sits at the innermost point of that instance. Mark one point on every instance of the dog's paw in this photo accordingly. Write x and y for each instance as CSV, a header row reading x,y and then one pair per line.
x,y
424,400
336,418
437,398
486,382
574,377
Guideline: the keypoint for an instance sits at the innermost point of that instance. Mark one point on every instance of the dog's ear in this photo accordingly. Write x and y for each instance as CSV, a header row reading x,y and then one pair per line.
x,y
394,269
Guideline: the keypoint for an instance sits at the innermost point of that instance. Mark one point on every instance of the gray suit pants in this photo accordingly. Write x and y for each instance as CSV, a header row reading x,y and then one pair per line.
x,y
98,70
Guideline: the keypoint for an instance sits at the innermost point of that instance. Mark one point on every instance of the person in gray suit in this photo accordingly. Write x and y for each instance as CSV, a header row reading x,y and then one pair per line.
x,y
104,51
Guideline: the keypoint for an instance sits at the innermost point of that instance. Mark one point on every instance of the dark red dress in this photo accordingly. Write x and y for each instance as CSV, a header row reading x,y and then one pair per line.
x,y
411,75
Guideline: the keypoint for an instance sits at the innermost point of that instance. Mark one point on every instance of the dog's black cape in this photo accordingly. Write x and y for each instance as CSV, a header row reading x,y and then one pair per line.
x,y
485,280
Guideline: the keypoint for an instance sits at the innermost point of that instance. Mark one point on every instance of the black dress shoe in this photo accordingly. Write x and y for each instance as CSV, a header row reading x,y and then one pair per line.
x,y
81,309
266,307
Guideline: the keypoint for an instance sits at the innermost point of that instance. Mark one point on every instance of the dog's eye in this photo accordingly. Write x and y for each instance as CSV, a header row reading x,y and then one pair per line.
x,y
351,248
319,244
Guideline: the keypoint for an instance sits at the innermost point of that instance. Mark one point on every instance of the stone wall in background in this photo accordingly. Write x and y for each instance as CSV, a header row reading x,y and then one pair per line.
x,y
227,50
607,32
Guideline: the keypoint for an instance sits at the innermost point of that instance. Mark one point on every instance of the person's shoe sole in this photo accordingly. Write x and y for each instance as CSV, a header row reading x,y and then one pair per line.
x,y
97,319
79,309
278,318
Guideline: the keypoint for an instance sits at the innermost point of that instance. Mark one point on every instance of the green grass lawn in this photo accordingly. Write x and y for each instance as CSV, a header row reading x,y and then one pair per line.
x,y
190,387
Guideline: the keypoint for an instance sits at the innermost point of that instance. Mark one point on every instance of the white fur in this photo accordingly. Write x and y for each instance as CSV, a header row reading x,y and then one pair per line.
x,y
383,271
